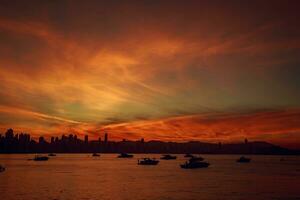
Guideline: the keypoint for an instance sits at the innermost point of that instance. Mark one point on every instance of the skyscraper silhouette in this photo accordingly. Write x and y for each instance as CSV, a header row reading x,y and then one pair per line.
x,y
105,138
86,139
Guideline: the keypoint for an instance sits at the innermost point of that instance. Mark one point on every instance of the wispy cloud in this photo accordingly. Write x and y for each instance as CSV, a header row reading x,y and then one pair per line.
x,y
143,69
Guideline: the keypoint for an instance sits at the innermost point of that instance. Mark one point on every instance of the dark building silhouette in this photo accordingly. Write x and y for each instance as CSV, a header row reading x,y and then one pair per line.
x,y
105,138
41,140
52,140
22,143
86,139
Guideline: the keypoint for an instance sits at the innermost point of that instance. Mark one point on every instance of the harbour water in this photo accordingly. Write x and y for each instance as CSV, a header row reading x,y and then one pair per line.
x,y
83,177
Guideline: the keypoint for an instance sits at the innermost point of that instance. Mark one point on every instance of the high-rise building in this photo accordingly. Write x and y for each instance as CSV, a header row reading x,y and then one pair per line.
x,y
41,140
86,139
9,135
105,138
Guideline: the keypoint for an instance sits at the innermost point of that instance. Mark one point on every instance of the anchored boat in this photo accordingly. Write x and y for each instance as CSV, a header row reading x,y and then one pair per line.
x,y
125,155
243,160
168,157
2,169
188,155
41,158
148,161
194,165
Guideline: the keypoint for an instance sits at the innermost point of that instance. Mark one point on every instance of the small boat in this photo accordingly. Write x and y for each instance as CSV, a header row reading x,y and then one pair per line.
x,y
243,160
196,158
125,155
188,155
148,161
2,169
194,165
168,157
95,155
51,154
41,158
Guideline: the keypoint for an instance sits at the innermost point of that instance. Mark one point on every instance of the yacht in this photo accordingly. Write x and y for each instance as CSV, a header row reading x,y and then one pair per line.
x,y
41,158
168,157
148,161
96,155
188,155
2,169
194,164
243,160
125,155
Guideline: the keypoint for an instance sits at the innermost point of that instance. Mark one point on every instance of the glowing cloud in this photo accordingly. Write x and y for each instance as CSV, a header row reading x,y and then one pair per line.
x,y
149,69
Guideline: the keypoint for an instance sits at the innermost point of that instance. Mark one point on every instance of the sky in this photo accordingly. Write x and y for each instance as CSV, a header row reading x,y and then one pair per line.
x,y
160,70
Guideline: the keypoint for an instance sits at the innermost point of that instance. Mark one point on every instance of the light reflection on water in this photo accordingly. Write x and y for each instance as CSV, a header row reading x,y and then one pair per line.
x,y
80,176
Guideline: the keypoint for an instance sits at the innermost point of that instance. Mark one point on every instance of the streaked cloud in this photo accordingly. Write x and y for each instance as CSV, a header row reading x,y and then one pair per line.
x,y
135,67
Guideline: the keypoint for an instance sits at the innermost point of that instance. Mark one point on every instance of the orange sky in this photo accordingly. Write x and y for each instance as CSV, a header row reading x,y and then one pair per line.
x,y
168,70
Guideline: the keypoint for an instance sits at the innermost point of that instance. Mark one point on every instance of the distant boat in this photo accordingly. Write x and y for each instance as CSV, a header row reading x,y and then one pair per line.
x,y
168,157
125,155
51,154
41,158
196,158
188,155
95,155
243,160
148,161
2,169
194,164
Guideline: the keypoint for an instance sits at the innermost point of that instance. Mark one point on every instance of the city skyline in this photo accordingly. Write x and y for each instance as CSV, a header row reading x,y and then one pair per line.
x,y
12,142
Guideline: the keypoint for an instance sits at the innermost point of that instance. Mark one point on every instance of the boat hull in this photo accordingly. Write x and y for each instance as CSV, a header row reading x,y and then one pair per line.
x,y
152,163
148,162
41,159
243,160
125,156
195,165
168,158
2,169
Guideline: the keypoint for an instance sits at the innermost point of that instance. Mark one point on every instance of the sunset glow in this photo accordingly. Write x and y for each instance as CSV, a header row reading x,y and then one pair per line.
x,y
138,69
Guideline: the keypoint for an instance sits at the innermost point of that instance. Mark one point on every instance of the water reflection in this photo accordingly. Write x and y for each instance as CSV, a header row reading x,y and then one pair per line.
x,y
80,176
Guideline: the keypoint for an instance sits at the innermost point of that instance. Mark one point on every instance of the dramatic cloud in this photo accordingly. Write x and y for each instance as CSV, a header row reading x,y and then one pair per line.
x,y
151,68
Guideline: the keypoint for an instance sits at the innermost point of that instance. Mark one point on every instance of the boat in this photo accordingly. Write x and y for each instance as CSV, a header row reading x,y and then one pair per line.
x,y
188,155
168,157
196,158
51,154
194,164
2,169
41,158
125,155
243,160
148,161
95,155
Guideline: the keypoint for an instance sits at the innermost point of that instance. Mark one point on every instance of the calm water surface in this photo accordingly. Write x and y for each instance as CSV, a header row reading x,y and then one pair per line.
x,y
80,176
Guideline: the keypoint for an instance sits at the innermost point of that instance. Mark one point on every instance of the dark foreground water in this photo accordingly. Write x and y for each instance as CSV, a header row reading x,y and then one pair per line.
x,y
80,176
